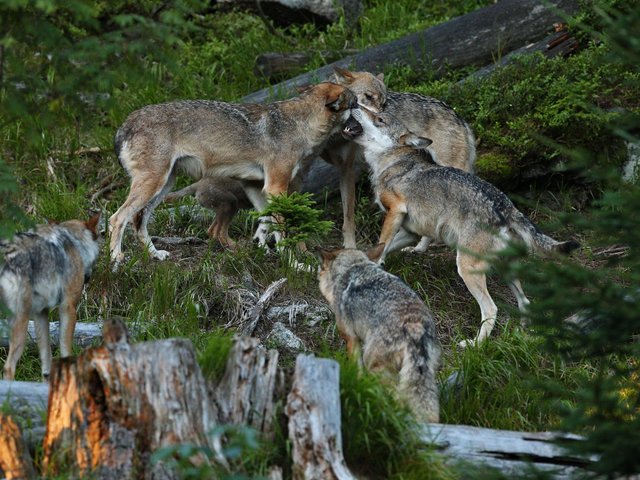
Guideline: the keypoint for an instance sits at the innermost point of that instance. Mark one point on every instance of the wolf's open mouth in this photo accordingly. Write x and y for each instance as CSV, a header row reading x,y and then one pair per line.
x,y
352,128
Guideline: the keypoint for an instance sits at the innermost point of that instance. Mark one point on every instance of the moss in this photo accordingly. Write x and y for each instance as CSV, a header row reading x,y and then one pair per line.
x,y
494,166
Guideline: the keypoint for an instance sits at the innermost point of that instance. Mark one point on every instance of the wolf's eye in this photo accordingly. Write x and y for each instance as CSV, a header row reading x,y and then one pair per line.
x,y
368,96
380,120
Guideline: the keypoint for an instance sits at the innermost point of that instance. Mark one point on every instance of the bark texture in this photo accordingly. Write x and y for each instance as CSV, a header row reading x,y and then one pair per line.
x,y
15,460
313,408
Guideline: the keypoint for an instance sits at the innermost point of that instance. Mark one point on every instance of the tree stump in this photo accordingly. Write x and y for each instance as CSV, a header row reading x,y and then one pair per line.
x,y
113,406
15,460
250,388
313,408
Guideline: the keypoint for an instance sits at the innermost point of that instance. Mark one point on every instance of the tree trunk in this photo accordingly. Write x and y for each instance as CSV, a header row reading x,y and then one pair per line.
x,y
84,335
15,460
509,452
251,387
477,38
112,407
313,408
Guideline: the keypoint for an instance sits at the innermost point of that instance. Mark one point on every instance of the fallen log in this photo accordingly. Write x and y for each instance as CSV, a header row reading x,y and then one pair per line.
x,y
507,451
113,406
84,335
313,408
27,404
15,460
473,39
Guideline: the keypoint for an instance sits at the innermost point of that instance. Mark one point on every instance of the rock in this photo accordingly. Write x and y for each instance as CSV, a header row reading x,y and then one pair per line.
x,y
281,336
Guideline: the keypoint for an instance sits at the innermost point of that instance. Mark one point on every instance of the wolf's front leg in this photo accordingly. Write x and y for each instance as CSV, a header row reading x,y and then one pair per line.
x,y
392,222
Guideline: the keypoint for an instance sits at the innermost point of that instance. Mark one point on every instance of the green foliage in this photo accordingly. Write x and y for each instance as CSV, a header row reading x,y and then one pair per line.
x,y
515,365
294,216
213,358
603,302
60,59
12,215
380,437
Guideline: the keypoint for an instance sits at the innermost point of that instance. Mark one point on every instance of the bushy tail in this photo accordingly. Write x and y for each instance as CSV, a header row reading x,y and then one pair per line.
x,y
178,194
418,378
536,240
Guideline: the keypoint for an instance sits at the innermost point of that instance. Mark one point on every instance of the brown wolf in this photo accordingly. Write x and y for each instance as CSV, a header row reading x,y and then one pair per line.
x,y
386,325
453,140
206,138
44,268
421,198
225,196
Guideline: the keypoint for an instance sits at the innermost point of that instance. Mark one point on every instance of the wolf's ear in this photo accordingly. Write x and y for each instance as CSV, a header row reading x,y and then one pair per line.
x,y
343,75
333,98
92,223
413,140
374,253
380,77
326,255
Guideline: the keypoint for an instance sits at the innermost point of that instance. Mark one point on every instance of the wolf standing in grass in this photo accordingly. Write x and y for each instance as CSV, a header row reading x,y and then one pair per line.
x,y
453,140
251,142
44,268
387,327
421,199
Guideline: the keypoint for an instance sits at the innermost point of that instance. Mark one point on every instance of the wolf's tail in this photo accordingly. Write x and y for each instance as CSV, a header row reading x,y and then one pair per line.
x,y
536,240
178,194
418,377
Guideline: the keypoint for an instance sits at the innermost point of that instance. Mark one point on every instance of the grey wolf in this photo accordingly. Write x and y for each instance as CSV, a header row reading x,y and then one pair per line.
x,y
421,198
44,268
453,139
386,326
225,196
251,142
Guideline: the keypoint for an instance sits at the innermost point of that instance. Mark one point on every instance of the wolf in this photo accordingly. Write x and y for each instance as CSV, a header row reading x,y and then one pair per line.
x,y
225,196
422,198
44,268
385,324
246,142
454,143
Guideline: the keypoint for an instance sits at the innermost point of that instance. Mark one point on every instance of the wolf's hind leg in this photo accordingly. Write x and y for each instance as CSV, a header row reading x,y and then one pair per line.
x,y
141,220
17,338
472,270
41,321
523,301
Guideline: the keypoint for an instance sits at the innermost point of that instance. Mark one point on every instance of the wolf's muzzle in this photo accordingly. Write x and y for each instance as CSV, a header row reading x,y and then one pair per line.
x,y
352,128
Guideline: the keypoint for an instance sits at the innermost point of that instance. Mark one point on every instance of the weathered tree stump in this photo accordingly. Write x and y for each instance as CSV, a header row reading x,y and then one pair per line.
x,y
15,460
113,406
313,408
250,388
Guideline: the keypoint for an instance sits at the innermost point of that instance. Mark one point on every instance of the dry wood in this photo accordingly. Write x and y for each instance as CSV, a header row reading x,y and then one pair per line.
x,y
15,460
251,387
84,335
27,404
313,408
260,306
510,452
477,38
113,406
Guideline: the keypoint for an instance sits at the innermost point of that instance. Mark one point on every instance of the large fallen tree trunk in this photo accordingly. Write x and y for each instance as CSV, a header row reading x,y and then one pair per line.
x,y
507,451
84,335
473,39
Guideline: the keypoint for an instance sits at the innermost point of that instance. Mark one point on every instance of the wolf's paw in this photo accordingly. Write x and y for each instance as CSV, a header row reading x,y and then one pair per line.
x,y
467,343
160,254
